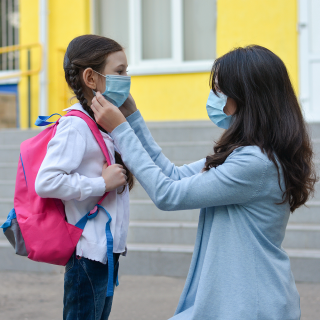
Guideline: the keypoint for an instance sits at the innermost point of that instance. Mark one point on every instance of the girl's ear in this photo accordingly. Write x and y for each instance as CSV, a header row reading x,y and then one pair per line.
x,y
90,79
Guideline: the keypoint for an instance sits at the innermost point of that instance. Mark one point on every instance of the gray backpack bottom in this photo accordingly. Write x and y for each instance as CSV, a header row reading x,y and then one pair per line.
x,y
14,235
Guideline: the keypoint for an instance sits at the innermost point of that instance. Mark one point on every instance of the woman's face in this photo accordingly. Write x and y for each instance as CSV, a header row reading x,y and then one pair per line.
x,y
231,105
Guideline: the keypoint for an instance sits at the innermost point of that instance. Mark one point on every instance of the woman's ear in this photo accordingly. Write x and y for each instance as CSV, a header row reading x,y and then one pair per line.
x,y
89,78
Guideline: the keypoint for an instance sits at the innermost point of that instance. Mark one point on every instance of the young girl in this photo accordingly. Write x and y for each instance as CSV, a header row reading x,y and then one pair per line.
x,y
261,170
74,171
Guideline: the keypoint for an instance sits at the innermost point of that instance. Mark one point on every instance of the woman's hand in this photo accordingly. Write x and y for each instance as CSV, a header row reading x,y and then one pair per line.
x,y
129,107
114,176
106,114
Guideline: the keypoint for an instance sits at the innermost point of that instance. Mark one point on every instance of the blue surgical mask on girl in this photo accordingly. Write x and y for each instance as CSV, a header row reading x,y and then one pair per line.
x,y
117,89
215,105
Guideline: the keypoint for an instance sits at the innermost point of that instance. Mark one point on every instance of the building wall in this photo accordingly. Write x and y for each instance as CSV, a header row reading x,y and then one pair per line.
x,y
29,33
66,20
271,23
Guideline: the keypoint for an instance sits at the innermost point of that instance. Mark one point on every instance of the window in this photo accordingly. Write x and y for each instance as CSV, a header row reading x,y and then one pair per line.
x,y
309,58
160,36
9,33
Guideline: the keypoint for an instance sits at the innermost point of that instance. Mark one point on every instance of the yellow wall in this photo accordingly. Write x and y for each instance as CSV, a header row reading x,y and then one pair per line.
x,y
172,97
66,20
269,23
29,33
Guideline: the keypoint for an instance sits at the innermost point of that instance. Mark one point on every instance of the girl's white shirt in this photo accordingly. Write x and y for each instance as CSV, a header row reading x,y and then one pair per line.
x,y
72,171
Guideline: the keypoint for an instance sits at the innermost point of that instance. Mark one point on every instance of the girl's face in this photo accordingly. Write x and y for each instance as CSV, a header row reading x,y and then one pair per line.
x,y
116,64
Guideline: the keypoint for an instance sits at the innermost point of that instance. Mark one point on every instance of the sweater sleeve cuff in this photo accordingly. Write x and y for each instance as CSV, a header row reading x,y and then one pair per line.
x,y
133,117
119,129
98,186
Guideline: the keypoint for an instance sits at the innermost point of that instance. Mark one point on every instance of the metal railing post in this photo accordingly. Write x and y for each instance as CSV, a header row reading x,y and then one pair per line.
x,y
29,89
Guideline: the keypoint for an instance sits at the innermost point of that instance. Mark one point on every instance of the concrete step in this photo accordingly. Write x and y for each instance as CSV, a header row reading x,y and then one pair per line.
x,y
305,264
158,259
161,260
302,236
307,214
9,153
175,232
175,151
138,193
8,170
161,131
7,185
299,236
145,210
184,131
7,188
314,129
16,136
6,204
139,210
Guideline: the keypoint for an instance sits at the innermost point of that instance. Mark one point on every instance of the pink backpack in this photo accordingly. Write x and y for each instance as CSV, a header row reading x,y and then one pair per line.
x,y
37,227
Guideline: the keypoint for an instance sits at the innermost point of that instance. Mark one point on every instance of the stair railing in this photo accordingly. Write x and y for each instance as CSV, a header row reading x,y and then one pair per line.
x,y
27,73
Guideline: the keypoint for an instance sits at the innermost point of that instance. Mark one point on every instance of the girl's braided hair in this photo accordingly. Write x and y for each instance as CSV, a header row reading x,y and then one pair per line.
x,y
90,51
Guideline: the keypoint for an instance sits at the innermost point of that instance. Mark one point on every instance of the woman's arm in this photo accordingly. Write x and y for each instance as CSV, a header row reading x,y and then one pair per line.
x,y
237,181
140,128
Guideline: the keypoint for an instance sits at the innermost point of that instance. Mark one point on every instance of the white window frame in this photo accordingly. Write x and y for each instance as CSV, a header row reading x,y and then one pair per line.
x,y
174,65
305,59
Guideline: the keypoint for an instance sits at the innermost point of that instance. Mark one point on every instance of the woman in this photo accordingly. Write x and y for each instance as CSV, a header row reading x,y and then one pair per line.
x,y
261,170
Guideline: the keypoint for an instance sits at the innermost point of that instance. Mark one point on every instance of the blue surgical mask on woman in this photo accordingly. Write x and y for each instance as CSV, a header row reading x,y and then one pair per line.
x,y
215,105
117,89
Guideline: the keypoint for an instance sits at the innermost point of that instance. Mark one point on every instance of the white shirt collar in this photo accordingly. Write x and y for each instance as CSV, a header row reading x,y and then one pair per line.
x,y
78,106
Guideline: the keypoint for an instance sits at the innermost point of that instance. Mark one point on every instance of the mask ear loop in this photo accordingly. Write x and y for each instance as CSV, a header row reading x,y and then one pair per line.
x,y
94,92
99,73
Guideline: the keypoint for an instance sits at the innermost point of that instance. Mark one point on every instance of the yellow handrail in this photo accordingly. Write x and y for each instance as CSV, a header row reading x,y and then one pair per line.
x,y
22,73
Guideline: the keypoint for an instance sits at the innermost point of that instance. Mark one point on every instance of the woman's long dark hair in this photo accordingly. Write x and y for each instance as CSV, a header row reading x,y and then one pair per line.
x,y
90,51
268,115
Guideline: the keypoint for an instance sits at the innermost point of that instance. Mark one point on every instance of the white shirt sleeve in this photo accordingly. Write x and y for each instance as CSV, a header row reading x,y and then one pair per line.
x,y
56,177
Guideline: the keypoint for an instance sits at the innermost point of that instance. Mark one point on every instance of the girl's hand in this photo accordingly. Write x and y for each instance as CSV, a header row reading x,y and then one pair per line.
x,y
106,114
129,107
114,176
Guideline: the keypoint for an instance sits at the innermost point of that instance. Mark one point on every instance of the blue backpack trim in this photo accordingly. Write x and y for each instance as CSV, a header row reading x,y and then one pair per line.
x,y
82,223
25,177
42,120
7,224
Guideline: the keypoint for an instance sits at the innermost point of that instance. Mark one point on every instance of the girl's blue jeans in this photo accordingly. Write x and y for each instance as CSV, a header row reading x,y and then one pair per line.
x,y
85,288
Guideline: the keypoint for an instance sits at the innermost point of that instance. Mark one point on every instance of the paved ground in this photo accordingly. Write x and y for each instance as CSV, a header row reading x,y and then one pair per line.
x,y
30,296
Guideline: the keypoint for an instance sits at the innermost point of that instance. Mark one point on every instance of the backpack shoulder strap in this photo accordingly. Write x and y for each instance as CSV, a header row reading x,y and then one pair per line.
x,y
94,129
97,134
